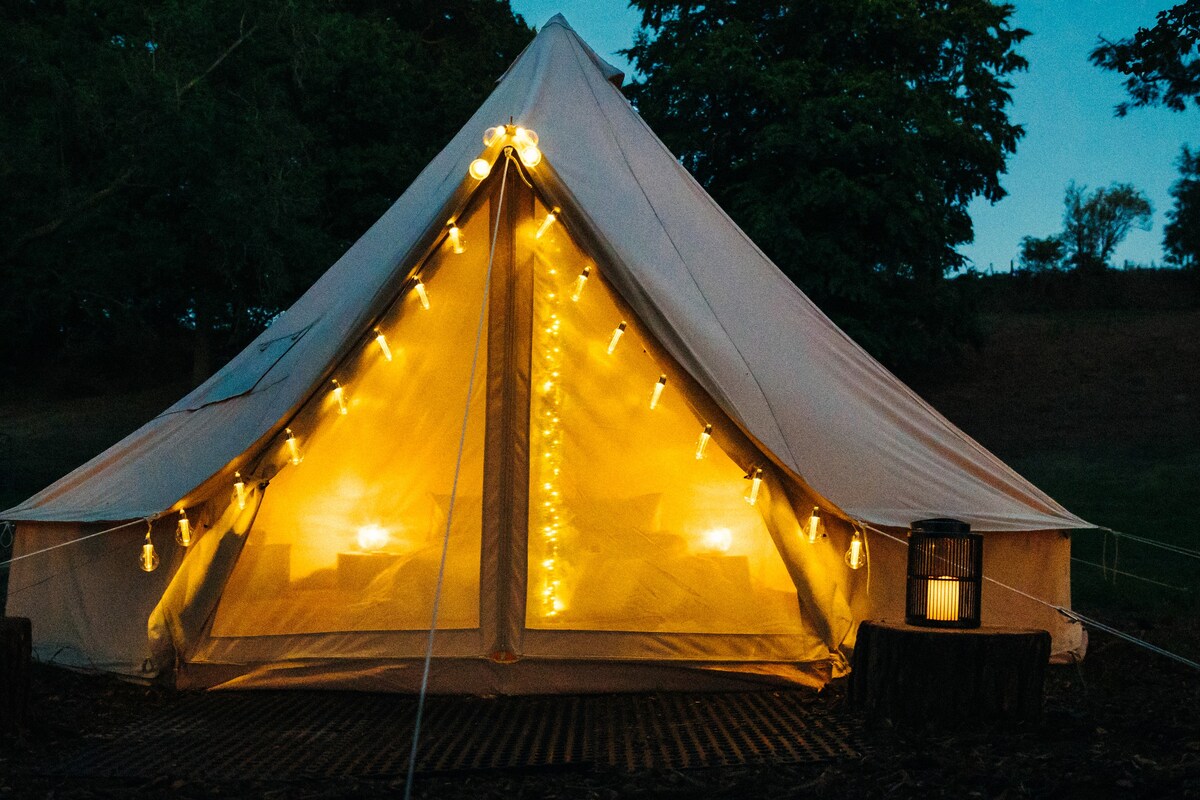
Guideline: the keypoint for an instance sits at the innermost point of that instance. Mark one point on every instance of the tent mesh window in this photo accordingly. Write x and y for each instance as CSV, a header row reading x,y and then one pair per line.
x,y
945,574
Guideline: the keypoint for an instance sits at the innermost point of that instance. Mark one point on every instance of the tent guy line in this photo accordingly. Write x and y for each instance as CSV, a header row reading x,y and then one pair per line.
x,y
1134,575
1170,548
1072,615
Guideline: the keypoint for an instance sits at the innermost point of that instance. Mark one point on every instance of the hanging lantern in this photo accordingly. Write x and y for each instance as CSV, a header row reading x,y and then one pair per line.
x,y
455,236
339,397
656,395
856,556
239,489
183,530
381,340
755,478
945,574
702,442
579,282
815,527
422,295
480,168
616,337
293,446
148,558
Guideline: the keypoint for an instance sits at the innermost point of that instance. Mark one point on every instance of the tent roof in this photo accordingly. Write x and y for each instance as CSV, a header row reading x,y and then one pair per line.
x,y
777,365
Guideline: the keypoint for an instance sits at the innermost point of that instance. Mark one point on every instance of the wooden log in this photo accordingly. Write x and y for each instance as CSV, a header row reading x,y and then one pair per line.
x,y
16,649
946,677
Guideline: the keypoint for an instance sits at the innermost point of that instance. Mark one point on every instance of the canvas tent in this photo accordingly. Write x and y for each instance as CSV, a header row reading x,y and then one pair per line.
x,y
417,396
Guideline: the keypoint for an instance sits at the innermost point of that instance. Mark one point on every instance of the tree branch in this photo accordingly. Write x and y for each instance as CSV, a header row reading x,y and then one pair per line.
x,y
56,223
179,93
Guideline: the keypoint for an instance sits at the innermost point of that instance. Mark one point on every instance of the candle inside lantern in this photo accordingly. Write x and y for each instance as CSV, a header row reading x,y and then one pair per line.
x,y
941,600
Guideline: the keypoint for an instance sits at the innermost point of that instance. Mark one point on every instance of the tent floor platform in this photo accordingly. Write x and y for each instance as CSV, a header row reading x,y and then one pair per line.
x,y
294,735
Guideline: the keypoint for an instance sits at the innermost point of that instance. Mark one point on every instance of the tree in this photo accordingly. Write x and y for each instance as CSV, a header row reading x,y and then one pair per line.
x,y
1042,255
1181,234
1093,225
178,172
1162,63
847,138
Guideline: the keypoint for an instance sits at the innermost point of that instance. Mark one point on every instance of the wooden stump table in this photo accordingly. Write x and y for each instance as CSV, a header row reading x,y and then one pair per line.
x,y
948,677
15,651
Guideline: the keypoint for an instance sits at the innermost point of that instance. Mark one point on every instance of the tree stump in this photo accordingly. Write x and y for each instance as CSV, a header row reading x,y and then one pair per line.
x,y
948,677
16,647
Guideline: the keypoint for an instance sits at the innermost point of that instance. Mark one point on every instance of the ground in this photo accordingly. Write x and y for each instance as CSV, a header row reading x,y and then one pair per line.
x,y
1100,407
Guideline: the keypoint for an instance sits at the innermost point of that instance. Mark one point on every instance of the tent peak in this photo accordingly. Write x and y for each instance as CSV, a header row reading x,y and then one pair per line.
x,y
614,75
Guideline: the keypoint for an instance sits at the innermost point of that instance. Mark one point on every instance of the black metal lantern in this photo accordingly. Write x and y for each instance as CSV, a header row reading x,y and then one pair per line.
x,y
945,574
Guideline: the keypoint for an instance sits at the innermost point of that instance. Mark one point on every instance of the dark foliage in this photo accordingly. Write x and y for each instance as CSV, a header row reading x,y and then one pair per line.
x,y
847,139
1181,234
1162,63
175,173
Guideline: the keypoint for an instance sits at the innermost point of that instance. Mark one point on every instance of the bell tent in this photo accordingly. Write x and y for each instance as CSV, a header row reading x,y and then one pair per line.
x,y
555,397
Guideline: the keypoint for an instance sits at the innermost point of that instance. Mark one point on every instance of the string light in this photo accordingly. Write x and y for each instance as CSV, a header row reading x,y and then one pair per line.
x,y
148,558
579,283
422,295
493,134
480,168
656,395
546,515
239,489
616,337
339,396
702,442
856,556
755,478
456,239
525,136
545,226
815,526
293,446
183,530
381,340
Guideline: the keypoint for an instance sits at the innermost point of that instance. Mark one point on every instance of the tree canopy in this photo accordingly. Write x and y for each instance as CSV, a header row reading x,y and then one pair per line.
x,y
847,138
1161,63
186,169
1094,224
1181,234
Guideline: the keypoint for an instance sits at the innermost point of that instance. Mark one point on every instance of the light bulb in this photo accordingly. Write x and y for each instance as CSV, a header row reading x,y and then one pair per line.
x,y
480,168
293,445
493,134
856,556
546,223
339,396
525,136
656,395
755,476
530,155
148,559
422,295
456,239
372,537
616,337
718,539
381,340
702,442
183,530
814,525
579,283
239,489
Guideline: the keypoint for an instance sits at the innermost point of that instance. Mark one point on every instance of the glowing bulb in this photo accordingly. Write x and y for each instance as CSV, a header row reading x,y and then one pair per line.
x,y
183,530
616,337
814,525
239,489
855,556
372,537
456,239
525,136
422,295
656,395
553,215
493,134
579,282
293,445
702,442
718,539
530,155
480,168
339,397
148,558
381,340
755,476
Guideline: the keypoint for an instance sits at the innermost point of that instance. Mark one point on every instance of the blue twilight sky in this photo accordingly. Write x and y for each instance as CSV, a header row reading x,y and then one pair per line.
x,y
1065,104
